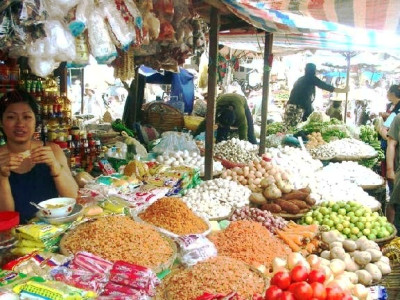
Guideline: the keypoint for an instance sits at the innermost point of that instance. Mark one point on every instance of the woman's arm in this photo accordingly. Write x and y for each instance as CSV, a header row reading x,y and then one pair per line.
x,y
390,157
383,132
54,157
8,162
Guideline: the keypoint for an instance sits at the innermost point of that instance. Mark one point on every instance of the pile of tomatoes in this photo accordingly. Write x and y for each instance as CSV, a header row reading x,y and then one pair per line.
x,y
300,284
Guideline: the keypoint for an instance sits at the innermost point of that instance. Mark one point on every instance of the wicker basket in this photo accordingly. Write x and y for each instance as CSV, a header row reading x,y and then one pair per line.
x,y
163,117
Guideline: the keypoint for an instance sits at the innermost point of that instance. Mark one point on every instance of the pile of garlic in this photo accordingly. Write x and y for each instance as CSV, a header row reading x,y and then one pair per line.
x,y
295,161
334,188
353,172
237,151
189,159
217,198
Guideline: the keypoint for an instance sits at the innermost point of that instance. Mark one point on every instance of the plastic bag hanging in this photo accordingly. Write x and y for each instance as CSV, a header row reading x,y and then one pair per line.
x,y
101,45
77,19
119,22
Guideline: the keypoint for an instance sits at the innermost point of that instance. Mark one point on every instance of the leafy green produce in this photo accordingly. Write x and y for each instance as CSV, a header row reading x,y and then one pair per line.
x,y
369,136
274,128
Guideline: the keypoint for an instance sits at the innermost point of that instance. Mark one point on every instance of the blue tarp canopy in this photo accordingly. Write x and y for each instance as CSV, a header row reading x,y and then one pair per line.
x,y
182,84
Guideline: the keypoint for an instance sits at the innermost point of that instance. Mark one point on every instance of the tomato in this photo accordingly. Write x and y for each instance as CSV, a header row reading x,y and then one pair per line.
x,y
347,297
319,291
273,293
316,276
281,279
287,296
299,273
334,293
303,291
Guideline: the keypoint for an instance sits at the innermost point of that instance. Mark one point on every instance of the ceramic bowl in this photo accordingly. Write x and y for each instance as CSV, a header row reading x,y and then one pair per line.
x,y
57,207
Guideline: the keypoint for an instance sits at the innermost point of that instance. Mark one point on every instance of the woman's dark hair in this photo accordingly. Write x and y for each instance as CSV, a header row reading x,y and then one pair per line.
x,y
310,69
226,116
18,96
395,89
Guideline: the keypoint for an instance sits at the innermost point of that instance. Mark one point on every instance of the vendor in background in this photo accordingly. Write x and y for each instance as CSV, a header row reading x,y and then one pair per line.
x,y
29,171
393,95
303,92
393,172
232,112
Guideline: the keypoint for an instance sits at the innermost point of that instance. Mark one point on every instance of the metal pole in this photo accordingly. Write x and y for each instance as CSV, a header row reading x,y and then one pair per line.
x,y
265,90
212,84
347,84
82,90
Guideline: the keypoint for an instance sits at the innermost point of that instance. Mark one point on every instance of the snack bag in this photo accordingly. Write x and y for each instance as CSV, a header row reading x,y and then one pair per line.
x,y
145,195
90,263
116,290
137,277
80,278
39,232
195,248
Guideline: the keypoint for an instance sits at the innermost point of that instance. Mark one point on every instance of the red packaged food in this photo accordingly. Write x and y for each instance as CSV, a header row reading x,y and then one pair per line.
x,y
8,220
134,276
91,263
114,289
80,278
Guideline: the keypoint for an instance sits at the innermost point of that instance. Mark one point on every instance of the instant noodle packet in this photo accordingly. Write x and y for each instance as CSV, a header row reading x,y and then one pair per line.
x,y
40,231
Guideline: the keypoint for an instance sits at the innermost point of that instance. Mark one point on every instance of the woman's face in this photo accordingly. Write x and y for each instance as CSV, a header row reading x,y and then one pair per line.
x,y
392,97
18,122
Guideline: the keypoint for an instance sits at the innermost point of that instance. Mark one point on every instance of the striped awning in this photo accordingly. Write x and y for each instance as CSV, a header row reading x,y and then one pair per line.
x,y
299,16
342,25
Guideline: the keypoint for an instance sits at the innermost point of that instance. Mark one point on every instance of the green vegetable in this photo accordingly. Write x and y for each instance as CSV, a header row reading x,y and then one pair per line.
x,y
369,136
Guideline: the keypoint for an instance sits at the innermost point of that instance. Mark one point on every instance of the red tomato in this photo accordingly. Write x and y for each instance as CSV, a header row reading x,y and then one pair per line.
x,y
303,291
347,296
334,293
287,296
281,279
273,293
299,273
292,287
316,276
319,291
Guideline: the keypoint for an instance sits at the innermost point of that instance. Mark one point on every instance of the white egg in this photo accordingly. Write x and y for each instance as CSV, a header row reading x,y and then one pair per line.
x,y
160,159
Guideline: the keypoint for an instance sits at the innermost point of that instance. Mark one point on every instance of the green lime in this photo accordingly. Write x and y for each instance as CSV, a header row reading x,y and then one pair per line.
x,y
346,223
374,231
315,222
353,237
385,233
335,207
366,232
360,234
389,228
325,204
359,213
360,225
339,227
315,213
363,219
342,211
372,236
355,230
375,214
347,207
354,220
367,210
324,210
309,220
368,225
331,203
351,225
346,231
350,214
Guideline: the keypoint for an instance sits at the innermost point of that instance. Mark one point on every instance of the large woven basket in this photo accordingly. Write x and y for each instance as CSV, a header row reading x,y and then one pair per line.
x,y
163,117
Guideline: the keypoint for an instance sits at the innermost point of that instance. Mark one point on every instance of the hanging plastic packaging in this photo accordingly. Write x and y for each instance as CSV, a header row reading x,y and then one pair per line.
x,y
58,9
101,45
77,19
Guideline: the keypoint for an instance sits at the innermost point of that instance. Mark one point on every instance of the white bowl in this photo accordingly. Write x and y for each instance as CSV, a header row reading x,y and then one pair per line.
x,y
57,207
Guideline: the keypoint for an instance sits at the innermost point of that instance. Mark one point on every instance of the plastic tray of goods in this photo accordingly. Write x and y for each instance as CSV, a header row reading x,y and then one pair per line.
x,y
353,157
372,186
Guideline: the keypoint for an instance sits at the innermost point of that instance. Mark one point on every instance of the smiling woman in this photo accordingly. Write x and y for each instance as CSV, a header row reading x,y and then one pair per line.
x,y
29,171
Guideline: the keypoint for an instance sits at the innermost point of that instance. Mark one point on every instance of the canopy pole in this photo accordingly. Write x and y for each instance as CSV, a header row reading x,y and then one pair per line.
x,y
211,92
348,56
265,90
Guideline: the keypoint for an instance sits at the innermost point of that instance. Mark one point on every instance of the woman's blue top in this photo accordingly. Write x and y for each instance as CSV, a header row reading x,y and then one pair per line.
x,y
37,185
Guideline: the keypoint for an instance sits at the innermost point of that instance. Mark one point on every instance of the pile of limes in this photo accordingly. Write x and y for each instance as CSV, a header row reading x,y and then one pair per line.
x,y
352,219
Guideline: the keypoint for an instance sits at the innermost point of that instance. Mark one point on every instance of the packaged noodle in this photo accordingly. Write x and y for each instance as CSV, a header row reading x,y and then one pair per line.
x,y
37,264
51,290
39,232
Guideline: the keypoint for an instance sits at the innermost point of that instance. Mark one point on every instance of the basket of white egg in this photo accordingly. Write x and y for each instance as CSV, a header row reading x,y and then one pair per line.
x,y
189,159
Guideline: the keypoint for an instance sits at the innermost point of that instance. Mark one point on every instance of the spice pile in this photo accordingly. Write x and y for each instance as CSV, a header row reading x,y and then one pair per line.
x,y
216,275
120,238
249,242
172,214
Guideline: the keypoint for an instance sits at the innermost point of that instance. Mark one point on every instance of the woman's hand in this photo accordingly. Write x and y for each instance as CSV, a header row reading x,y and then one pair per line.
x,y
9,162
45,155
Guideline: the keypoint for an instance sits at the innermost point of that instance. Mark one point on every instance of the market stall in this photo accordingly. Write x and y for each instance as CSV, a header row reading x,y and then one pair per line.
x,y
282,221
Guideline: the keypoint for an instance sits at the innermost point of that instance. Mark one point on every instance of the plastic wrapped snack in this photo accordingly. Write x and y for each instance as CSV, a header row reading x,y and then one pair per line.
x,y
58,9
77,19
120,27
137,277
90,263
101,45
195,248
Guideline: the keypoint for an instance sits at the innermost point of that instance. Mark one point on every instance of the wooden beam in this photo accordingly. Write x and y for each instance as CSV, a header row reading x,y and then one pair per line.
x,y
265,90
211,93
